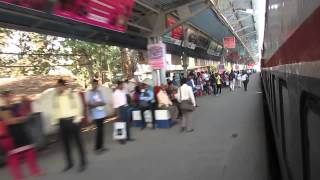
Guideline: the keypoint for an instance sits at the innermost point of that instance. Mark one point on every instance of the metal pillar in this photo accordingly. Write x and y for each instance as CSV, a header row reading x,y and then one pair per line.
x,y
185,64
158,75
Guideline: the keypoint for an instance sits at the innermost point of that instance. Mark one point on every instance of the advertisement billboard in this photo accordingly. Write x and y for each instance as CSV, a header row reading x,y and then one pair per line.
x,y
214,49
191,39
196,39
157,55
176,35
203,42
109,14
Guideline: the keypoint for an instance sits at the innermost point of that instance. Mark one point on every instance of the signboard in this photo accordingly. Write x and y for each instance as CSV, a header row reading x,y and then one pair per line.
x,y
251,65
109,14
203,42
214,49
236,67
221,68
218,51
176,35
191,39
195,39
157,55
229,42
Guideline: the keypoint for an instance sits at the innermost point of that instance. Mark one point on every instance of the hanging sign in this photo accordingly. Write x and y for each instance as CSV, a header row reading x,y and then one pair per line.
x,y
229,42
157,55
221,68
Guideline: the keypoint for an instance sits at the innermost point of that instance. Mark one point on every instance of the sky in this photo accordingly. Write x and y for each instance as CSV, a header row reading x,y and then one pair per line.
x,y
260,6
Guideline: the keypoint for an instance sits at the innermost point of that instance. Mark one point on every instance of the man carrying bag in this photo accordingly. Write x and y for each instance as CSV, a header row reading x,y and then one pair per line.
x,y
187,102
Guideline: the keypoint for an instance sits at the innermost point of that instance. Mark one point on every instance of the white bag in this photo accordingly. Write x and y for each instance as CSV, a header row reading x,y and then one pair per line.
x,y
148,116
136,115
119,131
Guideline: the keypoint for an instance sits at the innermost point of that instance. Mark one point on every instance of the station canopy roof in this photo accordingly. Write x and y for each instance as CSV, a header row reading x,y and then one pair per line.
x,y
211,20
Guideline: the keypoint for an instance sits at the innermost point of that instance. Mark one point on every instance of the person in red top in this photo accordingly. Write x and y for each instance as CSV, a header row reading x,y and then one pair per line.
x,y
136,96
14,140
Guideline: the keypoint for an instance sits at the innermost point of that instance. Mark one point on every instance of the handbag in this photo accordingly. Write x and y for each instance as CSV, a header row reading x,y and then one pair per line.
x,y
186,105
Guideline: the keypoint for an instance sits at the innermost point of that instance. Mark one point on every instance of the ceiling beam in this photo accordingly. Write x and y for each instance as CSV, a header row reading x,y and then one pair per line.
x,y
248,34
225,21
143,28
186,18
192,3
243,28
240,19
147,6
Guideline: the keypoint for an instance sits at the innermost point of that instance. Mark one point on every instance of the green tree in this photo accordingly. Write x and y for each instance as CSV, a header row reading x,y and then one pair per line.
x,y
129,60
35,56
91,60
39,53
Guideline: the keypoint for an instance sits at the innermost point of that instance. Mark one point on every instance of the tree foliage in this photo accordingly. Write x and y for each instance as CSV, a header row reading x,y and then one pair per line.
x,y
92,60
31,54
26,53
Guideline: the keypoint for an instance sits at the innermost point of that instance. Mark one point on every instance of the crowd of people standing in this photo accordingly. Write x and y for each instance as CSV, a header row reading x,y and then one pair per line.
x,y
210,83
68,107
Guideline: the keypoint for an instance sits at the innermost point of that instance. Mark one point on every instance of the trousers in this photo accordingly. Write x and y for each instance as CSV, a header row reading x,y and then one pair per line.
x,y
70,130
123,116
28,153
232,84
99,134
187,121
152,108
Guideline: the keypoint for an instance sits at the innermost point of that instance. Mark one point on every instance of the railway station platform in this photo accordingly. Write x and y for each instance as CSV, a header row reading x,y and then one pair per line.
x,y
229,142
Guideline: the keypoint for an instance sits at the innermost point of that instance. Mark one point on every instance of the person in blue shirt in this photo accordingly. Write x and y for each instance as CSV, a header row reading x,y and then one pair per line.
x,y
147,102
96,103
174,81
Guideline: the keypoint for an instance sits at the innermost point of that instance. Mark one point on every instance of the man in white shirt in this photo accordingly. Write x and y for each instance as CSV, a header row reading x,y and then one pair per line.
x,y
68,113
245,80
185,93
119,99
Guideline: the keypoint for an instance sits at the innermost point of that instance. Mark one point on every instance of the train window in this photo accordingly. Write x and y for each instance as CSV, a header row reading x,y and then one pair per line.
x,y
285,124
310,130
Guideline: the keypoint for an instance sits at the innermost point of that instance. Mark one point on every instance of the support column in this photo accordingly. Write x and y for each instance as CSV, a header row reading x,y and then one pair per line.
x,y
158,75
185,64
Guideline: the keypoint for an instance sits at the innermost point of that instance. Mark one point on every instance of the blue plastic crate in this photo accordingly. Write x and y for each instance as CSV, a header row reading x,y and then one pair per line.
x,y
137,123
164,124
